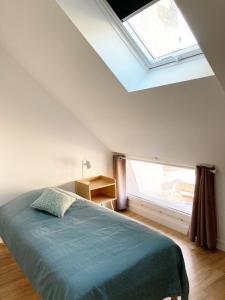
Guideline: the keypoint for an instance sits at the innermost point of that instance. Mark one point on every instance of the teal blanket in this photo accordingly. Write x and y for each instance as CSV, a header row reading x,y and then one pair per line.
x,y
91,253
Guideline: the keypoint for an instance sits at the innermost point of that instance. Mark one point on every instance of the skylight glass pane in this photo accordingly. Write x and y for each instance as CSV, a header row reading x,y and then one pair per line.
x,y
162,29
168,186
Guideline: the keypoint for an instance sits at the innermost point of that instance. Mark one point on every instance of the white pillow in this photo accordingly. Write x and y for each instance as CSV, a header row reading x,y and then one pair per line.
x,y
53,202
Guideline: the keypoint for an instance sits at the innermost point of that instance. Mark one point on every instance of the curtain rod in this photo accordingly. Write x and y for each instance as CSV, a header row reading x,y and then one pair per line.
x,y
156,161
211,167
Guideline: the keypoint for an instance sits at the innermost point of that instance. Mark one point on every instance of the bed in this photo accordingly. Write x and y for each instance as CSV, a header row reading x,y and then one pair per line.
x,y
91,253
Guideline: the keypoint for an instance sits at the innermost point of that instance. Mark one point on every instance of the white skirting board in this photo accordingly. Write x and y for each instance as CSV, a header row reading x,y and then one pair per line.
x,y
221,245
165,216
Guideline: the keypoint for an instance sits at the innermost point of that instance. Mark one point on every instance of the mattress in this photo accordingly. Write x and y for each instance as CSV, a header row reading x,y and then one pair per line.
x,y
91,253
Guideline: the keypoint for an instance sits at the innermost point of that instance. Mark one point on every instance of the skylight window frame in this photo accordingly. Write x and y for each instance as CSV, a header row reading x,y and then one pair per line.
x,y
135,45
172,57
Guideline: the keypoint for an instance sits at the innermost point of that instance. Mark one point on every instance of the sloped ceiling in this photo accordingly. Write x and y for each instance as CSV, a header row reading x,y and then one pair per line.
x,y
207,20
182,123
176,123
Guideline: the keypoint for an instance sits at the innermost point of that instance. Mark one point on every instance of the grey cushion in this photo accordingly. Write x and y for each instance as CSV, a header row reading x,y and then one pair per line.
x,y
54,202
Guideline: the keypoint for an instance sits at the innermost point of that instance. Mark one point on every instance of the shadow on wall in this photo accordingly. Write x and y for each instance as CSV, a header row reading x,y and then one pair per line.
x,y
11,196
7,196
68,186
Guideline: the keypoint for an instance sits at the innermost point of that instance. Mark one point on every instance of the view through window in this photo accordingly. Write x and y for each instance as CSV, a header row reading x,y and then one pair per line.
x,y
168,186
162,30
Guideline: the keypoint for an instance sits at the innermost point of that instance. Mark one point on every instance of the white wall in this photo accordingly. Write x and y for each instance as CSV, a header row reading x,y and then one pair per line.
x,y
42,143
181,123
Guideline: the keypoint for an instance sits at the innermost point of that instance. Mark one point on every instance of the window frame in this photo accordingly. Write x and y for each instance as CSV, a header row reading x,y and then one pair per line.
x,y
135,45
151,198
175,56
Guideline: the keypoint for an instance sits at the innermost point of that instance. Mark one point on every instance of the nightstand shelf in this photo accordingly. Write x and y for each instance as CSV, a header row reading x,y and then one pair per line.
x,y
99,189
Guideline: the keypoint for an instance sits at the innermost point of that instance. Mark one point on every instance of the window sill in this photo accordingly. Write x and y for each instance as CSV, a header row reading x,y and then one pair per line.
x,y
185,70
166,216
163,203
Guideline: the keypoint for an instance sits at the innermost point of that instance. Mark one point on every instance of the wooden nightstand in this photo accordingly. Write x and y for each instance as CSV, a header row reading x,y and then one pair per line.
x,y
99,189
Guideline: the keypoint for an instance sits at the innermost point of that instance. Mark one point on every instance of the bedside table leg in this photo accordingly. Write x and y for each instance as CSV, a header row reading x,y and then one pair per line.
x,y
112,205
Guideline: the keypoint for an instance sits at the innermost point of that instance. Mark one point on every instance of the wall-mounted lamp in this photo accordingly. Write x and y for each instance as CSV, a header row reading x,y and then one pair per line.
x,y
87,164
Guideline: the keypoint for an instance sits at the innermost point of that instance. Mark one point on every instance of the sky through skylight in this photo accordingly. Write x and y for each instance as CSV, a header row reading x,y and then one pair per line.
x,y
162,29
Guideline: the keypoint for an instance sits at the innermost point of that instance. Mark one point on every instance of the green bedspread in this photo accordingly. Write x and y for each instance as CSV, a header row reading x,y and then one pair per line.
x,y
91,253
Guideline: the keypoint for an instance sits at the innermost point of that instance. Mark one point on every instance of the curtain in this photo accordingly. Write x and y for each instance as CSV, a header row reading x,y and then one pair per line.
x,y
203,228
119,172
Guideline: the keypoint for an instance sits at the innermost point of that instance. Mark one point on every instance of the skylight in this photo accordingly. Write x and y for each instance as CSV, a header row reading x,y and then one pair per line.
x,y
134,64
162,32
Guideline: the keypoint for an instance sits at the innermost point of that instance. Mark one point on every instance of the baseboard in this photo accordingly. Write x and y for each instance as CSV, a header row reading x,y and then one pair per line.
x,y
221,245
161,215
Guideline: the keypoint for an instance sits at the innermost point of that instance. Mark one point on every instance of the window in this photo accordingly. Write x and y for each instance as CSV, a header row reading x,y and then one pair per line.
x,y
162,34
165,185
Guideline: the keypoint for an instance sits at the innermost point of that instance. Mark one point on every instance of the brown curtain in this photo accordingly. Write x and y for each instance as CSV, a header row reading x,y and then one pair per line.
x,y
203,227
119,172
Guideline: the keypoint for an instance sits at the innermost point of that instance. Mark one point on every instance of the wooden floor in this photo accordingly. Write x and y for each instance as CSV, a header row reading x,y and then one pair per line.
x,y
206,270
